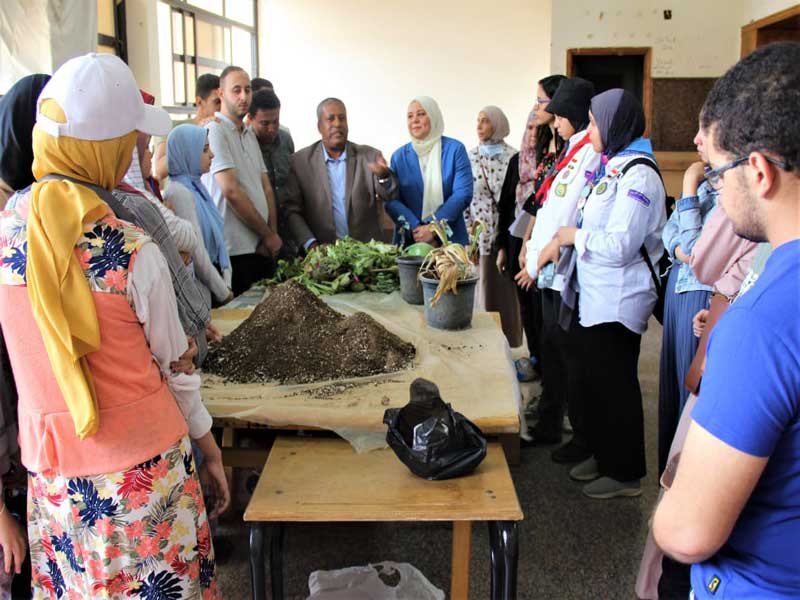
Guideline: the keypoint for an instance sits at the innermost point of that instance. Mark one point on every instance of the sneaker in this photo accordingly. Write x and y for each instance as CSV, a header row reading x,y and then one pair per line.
x,y
586,471
570,453
605,488
526,371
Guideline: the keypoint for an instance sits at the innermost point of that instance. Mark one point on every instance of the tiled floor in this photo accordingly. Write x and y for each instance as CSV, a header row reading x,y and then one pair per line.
x,y
570,546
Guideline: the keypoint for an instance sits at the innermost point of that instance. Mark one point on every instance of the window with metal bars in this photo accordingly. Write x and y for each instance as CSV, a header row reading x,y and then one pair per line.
x,y
202,36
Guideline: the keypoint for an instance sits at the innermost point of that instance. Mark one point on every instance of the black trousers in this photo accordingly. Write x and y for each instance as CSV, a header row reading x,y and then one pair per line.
x,y
609,387
530,303
560,371
249,269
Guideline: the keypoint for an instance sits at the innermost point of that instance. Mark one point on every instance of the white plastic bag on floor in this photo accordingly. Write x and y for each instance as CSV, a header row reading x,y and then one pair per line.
x,y
382,581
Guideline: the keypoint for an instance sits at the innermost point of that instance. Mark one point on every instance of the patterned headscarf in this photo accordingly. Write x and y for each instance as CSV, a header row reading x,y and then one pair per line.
x,y
527,161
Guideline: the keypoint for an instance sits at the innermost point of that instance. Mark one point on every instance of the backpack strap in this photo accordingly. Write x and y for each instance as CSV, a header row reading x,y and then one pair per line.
x,y
120,211
643,160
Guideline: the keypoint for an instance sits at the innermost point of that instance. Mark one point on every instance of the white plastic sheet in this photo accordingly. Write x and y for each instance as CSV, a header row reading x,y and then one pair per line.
x,y
382,581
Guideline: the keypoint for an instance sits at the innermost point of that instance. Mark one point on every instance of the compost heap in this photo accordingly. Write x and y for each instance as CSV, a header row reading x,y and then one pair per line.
x,y
294,337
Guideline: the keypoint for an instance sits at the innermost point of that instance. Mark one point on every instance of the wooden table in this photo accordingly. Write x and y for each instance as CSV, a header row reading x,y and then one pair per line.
x,y
324,480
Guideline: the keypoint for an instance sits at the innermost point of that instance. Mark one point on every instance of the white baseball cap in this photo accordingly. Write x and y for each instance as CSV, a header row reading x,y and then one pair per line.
x,y
101,101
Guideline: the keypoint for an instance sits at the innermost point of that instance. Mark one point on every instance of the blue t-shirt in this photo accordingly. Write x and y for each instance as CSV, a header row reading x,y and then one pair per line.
x,y
750,399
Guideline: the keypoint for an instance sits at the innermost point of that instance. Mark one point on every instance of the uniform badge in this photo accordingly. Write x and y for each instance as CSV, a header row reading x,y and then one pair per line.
x,y
561,190
601,189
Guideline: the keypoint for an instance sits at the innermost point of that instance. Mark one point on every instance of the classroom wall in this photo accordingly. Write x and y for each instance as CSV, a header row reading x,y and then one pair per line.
x,y
377,56
753,10
700,40
142,32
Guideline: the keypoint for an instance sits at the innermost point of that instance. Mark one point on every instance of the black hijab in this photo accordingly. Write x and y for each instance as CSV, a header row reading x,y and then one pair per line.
x,y
17,118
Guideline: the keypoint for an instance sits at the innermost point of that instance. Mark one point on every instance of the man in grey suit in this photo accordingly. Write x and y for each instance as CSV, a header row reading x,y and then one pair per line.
x,y
337,188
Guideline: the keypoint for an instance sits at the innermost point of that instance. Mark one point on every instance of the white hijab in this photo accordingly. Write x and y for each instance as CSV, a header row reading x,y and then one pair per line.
x,y
429,152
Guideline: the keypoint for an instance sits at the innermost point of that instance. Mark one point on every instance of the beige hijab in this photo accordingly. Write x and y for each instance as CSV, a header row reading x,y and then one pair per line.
x,y
431,147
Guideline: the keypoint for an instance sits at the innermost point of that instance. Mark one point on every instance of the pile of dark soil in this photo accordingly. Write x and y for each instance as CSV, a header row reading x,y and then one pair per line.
x,y
294,337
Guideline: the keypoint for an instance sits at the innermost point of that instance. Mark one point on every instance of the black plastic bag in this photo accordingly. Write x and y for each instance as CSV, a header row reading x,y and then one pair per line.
x,y
430,438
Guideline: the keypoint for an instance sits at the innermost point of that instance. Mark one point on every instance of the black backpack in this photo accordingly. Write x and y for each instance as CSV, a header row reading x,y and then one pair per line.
x,y
660,277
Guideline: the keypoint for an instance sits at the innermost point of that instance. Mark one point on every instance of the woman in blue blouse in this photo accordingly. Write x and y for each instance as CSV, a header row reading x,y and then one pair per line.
x,y
435,178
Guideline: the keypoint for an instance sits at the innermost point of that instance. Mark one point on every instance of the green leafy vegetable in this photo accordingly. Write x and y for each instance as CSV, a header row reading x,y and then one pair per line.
x,y
346,266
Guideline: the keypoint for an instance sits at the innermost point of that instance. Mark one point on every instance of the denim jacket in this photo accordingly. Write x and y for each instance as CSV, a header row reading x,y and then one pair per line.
x,y
683,228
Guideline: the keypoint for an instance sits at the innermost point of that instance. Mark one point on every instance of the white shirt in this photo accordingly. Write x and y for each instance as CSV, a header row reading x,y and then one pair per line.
x,y
239,150
619,215
561,206
182,199
153,297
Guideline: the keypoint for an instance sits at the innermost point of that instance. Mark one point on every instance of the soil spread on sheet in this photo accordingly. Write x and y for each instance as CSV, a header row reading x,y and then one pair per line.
x,y
294,337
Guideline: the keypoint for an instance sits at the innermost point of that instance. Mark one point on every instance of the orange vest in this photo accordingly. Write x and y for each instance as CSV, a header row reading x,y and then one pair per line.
x,y
139,417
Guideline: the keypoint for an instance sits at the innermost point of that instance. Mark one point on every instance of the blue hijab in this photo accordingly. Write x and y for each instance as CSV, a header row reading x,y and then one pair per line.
x,y
185,145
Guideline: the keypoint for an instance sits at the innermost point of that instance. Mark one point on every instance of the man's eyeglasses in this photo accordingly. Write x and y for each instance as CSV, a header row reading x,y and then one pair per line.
x,y
714,177
541,101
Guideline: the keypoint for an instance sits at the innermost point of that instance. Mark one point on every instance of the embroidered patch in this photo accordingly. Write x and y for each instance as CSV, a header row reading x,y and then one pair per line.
x,y
601,189
639,197
713,584
561,190
565,174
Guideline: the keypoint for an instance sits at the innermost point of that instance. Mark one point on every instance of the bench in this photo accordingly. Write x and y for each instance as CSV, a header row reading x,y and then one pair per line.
x,y
324,480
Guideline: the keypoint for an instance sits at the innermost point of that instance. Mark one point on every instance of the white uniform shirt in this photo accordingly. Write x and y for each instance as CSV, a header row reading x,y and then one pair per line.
x,y
619,215
561,206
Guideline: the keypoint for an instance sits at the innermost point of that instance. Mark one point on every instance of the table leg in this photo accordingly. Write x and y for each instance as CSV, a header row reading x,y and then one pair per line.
x,y
504,548
257,561
511,446
462,547
276,561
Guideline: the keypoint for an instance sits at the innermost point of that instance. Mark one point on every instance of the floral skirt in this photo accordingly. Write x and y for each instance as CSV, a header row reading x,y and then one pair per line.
x,y
139,533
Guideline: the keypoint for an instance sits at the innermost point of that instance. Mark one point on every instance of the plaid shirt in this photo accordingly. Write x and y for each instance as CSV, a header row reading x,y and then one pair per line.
x,y
193,310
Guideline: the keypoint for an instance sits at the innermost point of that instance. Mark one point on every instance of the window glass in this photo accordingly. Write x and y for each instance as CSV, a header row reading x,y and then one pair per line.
x,y
180,83
210,41
192,43
188,21
177,33
241,10
214,6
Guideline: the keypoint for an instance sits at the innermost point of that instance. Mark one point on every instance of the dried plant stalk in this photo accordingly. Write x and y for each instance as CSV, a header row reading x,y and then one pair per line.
x,y
451,262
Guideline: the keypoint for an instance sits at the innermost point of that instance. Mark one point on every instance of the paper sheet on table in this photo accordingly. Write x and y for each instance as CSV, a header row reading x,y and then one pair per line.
x,y
473,369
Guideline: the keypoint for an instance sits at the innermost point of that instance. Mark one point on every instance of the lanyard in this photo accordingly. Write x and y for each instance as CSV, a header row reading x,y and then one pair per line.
x,y
544,189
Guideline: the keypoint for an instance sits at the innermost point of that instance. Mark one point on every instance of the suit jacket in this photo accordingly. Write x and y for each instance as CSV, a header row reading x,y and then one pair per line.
x,y
456,184
309,203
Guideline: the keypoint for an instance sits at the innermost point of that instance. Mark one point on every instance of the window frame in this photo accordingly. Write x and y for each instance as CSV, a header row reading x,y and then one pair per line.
x,y
186,8
120,41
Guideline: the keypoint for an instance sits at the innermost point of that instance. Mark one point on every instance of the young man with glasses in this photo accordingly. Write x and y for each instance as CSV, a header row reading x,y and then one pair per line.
x,y
733,509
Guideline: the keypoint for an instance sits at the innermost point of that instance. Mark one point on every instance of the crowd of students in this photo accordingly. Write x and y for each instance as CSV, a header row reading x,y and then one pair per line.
x,y
106,287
